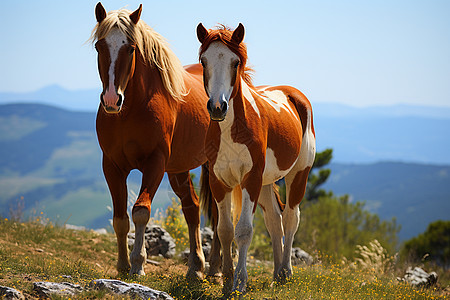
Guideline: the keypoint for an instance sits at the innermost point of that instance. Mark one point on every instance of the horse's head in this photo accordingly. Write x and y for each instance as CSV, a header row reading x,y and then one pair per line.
x,y
223,57
116,57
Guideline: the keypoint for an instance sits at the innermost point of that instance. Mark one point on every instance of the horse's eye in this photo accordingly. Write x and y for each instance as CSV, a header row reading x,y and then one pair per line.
x,y
236,64
203,63
132,50
96,48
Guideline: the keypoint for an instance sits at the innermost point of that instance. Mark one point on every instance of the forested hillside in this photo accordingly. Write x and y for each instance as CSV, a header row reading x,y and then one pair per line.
x,y
50,162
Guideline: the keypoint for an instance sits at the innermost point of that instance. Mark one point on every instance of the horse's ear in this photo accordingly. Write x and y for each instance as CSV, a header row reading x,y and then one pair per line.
x,y
238,34
136,15
202,32
100,12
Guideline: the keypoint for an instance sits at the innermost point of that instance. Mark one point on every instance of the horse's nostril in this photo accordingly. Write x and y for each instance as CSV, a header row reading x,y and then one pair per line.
x,y
119,102
224,107
102,101
208,105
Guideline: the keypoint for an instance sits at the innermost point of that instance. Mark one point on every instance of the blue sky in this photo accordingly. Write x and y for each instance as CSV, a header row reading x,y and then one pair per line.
x,y
360,53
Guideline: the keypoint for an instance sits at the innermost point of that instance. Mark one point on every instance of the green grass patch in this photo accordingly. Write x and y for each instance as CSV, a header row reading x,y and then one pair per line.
x,y
31,252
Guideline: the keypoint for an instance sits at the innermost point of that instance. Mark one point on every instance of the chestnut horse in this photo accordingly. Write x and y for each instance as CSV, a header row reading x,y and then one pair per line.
x,y
256,136
151,118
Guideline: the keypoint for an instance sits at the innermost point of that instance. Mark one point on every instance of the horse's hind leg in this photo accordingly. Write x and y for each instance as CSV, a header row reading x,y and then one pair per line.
x,y
215,260
225,231
182,185
209,206
117,184
295,190
272,219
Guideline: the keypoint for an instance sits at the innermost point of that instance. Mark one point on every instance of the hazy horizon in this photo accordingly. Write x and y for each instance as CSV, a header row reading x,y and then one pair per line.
x,y
15,98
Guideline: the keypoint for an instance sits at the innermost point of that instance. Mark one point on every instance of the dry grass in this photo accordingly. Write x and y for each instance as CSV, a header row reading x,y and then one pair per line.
x,y
32,252
373,259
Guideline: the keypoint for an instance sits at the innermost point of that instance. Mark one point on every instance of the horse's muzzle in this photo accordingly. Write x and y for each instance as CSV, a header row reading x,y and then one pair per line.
x,y
218,111
110,106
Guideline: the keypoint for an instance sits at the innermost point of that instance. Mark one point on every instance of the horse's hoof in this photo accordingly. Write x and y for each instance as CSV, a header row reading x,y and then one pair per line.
x,y
123,269
227,287
282,276
194,275
214,278
137,272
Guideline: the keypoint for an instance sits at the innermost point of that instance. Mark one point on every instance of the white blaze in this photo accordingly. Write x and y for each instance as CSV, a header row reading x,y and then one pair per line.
x,y
115,40
220,61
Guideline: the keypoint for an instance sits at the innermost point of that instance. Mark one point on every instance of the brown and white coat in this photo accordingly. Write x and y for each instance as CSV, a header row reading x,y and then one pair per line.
x,y
256,136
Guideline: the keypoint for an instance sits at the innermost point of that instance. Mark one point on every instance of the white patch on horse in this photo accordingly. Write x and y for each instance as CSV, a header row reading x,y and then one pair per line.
x,y
278,100
233,159
272,172
249,97
115,40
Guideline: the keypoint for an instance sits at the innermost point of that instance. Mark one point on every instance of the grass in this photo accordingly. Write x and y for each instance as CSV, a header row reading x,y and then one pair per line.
x,y
31,252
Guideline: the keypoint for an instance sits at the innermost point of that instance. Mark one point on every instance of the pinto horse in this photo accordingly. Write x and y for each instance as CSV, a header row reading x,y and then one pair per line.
x,y
256,136
151,118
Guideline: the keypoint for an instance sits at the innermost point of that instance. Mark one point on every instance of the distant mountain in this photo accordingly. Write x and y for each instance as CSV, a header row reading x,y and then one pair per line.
x,y
50,160
358,135
336,110
415,194
54,95
376,138
396,133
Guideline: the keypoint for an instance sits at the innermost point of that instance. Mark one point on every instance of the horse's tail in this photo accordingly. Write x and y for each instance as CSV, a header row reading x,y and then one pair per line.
x,y
207,203
236,204
276,191
236,201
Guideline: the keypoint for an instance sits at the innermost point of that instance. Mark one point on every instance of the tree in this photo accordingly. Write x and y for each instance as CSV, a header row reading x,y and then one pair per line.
x,y
318,176
435,242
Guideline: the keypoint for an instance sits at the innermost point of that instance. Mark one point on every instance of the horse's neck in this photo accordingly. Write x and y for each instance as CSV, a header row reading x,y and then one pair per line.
x,y
145,82
245,100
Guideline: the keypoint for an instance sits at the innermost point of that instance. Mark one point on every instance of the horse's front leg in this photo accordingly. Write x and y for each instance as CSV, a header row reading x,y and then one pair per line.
x,y
244,231
182,186
225,231
152,174
117,184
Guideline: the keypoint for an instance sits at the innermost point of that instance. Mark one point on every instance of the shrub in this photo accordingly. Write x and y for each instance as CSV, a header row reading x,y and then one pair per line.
x,y
334,226
434,243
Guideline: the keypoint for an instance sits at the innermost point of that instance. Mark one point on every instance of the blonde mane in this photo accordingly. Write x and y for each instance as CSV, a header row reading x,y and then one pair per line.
x,y
152,46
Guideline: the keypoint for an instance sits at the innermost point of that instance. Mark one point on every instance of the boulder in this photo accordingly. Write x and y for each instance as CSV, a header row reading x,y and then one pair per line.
x,y
10,294
207,235
299,257
46,289
157,241
131,289
419,278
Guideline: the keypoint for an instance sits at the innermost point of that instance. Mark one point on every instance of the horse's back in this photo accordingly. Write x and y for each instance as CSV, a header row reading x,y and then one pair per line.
x,y
297,99
194,69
